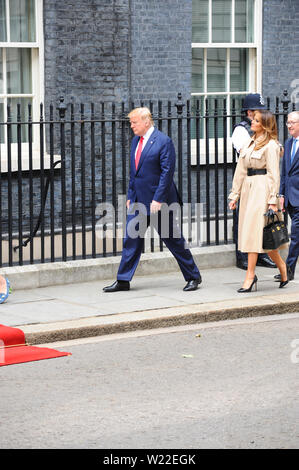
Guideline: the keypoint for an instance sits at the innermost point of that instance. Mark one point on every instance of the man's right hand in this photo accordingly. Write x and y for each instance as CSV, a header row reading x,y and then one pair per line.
x,y
281,199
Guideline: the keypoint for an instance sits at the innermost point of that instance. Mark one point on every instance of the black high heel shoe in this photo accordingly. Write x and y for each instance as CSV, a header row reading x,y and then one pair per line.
x,y
284,283
290,275
254,283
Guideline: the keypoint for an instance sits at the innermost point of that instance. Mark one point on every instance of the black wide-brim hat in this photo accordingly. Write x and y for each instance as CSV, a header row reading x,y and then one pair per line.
x,y
253,101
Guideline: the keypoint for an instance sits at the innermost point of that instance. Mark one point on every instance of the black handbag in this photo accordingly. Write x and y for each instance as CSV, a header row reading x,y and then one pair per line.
x,y
275,233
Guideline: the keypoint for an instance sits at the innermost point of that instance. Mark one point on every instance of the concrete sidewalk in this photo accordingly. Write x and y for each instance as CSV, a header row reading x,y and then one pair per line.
x,y
156,299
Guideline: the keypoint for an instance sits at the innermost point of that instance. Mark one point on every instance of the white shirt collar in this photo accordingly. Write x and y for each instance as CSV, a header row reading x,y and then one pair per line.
x,y
146,136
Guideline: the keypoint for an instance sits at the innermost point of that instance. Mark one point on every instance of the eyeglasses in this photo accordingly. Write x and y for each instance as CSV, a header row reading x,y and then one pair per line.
x,y
291,123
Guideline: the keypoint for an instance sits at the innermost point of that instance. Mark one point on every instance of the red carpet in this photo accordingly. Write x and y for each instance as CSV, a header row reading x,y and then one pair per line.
x,y
13,348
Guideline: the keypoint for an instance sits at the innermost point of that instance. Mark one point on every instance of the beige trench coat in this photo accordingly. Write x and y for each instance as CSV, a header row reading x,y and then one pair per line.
x,y
255,193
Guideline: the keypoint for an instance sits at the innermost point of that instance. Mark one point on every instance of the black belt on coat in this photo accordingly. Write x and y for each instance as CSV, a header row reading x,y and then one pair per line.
x,y
253,172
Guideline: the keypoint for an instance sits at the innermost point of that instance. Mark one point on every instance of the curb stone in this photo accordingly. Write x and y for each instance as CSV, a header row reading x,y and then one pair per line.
x,y
151,319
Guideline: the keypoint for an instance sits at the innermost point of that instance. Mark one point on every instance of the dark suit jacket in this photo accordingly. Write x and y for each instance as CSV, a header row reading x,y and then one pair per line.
x,y
289,180
153,179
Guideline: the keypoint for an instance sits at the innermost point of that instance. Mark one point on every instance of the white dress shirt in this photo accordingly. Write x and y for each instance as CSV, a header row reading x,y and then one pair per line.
x,y
240,138
295,143
145,138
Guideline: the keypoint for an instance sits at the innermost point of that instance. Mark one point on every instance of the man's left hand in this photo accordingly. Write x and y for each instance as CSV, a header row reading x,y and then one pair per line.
x,y
155,206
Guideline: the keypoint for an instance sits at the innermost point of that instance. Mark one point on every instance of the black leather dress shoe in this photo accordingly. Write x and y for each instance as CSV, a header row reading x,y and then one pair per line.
x,y
266,262
290,274
192,284
117,286
241,264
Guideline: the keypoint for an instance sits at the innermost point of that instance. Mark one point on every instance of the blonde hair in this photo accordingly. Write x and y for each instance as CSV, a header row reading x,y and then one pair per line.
x,y
269,125
143,112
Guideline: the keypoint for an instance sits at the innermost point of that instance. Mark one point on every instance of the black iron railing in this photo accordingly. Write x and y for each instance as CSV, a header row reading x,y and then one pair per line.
x,y
64,178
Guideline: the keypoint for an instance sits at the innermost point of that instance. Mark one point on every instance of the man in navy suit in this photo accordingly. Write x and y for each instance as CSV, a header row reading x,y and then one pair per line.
x,y
289,189
151,188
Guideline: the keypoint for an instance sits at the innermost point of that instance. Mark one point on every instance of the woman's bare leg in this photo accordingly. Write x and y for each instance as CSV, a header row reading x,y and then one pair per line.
x,y
275,256
250,273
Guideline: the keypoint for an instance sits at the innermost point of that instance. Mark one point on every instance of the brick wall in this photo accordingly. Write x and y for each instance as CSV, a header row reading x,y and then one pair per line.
x,y
161,49
280,47
86,50
117,50
86,60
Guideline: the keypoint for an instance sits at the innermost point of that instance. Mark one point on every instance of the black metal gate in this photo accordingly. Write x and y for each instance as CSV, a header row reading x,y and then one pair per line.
x,y
60,173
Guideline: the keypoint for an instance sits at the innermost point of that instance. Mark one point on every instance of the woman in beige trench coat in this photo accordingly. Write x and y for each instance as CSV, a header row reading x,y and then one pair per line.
x,y
256,183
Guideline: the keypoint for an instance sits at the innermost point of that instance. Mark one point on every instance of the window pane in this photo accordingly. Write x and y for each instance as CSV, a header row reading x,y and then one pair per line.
x,y
221,20
216,70
13,102
2,21
200,18
1,72
18,70
238,69
22,21
1,120
215,127
244,13
197,70
207,125
238,101
194,130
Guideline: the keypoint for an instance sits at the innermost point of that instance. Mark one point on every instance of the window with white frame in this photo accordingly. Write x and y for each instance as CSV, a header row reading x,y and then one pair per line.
x,y
226,50
21,77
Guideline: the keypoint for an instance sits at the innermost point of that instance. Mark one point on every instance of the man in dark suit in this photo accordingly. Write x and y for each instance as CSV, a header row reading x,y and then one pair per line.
x,y
151,189
289,189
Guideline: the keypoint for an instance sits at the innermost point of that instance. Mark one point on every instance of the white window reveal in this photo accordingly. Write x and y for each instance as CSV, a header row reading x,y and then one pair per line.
x,y
226,53
21,75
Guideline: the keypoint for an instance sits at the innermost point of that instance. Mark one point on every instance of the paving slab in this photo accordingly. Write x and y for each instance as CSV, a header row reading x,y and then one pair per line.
x,y
82,309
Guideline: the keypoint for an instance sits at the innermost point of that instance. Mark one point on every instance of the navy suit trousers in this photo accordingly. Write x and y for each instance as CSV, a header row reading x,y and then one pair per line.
x,y
174,241
294,245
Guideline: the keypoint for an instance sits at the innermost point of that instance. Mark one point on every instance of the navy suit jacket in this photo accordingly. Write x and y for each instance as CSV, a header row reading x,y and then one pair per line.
x,y
289,180
153,179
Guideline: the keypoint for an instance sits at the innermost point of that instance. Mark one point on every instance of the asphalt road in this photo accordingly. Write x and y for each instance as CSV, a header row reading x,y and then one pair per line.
x,y
234,386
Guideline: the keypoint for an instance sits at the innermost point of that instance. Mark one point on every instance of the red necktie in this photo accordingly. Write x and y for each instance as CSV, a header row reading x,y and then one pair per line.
x,y
138,153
